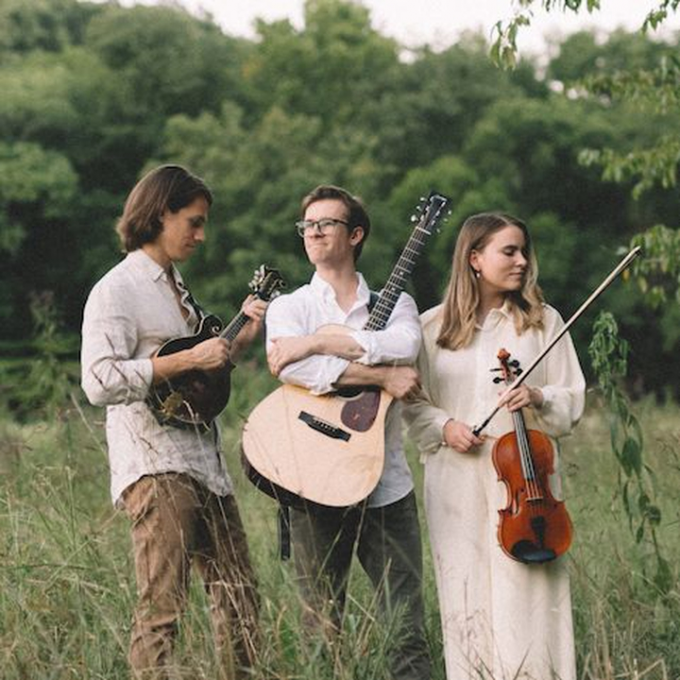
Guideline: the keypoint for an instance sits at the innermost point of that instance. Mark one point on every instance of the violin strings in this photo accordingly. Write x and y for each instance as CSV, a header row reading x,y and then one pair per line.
x,y
528,468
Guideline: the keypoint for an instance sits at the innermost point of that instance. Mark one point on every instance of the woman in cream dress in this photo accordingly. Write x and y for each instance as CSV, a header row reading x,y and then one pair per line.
x,y
501,619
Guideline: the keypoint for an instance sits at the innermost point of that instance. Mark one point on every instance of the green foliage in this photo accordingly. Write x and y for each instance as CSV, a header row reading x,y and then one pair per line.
x,y
634,73
41,386
45,25
658,273
95,94
657,16
67,579
609,355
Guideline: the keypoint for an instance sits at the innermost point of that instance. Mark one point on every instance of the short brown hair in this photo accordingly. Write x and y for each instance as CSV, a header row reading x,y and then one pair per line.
x,y
356,212
168,187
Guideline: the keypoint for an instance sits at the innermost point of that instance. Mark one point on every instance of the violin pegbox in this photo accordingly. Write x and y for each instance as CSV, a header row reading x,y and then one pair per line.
x,y
508,368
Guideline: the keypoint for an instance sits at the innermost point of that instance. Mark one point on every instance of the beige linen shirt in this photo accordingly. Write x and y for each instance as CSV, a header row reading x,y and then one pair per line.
x,y
459,385
129,314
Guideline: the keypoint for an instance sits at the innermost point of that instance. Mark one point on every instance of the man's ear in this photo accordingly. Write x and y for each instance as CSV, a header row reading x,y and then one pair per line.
x,y
357,236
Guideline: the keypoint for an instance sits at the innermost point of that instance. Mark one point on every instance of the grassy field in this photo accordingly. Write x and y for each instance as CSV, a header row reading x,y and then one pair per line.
x,y
67,587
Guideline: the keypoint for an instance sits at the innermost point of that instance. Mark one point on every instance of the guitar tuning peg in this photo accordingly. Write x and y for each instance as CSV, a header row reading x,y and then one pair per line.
x,y
497,380
519,371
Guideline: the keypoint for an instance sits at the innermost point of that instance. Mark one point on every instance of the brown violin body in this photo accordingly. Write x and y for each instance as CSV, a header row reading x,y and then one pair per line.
x,y
534,527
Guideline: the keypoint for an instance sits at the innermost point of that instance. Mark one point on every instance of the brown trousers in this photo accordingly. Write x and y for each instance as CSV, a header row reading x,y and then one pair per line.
x,y
176,521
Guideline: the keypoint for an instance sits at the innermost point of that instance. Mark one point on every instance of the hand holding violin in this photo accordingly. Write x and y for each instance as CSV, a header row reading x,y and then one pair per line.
x,y
521,397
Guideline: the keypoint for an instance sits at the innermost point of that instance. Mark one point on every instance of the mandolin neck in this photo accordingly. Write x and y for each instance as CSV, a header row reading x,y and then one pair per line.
x,y
235,326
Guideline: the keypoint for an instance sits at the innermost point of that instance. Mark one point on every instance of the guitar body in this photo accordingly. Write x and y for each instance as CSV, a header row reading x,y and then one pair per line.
x,y
194,398
328,450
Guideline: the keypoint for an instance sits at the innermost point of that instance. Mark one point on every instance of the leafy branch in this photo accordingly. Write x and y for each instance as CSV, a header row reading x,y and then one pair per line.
x,y
504,46
609,356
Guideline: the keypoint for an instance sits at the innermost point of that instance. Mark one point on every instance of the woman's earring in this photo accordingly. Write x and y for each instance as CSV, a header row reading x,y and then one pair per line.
x,y
477,273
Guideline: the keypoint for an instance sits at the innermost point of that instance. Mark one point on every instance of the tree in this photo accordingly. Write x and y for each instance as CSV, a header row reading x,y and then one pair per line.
x,y
654,88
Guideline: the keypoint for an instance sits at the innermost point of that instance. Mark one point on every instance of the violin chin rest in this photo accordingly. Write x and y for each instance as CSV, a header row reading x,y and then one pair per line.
x,y
530,553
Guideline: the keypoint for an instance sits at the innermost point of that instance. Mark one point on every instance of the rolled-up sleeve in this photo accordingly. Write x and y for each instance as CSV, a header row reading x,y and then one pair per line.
x,y
109,373
400,340
317,373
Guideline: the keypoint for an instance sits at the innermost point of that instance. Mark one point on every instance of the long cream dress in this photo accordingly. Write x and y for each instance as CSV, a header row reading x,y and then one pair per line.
x,y
501,619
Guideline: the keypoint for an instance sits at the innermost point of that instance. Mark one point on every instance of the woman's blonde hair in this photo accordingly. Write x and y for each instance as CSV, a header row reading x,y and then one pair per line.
x,y
459,313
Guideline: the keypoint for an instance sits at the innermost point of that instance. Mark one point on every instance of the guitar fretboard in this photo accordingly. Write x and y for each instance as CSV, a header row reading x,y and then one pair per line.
x,y
402,270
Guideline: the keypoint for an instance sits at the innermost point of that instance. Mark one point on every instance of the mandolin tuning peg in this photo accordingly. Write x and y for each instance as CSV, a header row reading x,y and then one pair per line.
x,y
497,380
519,371
514,363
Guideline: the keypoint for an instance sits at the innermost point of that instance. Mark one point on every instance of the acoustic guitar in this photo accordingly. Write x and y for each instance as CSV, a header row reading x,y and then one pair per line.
x,y
196,398
329,450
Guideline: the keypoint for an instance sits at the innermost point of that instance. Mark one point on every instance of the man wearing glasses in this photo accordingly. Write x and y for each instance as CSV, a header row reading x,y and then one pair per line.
x,y
384,528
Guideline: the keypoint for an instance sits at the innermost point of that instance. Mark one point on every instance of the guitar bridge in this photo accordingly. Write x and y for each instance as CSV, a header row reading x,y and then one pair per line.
x,y
324,427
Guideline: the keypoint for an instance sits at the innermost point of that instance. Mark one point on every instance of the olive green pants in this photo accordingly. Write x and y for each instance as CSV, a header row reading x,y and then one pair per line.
x,y
389,549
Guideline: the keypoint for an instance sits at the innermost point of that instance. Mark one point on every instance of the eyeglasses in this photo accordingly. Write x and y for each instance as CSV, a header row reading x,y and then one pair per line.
x,y
323,226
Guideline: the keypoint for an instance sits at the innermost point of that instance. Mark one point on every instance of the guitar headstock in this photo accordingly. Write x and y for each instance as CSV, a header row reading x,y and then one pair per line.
x,y
266,283
431,211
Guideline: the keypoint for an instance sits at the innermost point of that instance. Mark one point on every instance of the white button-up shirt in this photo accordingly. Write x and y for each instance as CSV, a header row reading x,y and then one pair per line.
x,y
129,314
314,305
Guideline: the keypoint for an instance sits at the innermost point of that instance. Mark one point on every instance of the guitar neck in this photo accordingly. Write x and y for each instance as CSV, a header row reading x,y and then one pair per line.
x,y
397,281
234,327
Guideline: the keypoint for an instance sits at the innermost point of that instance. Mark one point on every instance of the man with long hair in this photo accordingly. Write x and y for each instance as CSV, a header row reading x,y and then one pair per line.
x,y
171,482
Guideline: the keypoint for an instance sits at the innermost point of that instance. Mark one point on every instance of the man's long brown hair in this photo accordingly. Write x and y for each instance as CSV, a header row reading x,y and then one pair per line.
x,y
168,187
459,313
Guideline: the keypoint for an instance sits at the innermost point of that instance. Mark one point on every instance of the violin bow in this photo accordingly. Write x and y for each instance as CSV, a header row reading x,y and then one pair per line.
x,y
527,372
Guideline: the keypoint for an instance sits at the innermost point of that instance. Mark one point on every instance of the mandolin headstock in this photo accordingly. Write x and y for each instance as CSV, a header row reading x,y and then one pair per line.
x,y
266,283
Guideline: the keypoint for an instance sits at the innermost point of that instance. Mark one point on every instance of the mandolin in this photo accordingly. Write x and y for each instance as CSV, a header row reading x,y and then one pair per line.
x,y
196,398
329,449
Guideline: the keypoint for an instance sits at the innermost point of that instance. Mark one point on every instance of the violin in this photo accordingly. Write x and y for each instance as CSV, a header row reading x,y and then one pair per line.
x,y
534,527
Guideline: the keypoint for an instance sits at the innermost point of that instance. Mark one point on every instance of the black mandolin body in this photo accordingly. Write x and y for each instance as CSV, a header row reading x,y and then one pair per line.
x,y
195,398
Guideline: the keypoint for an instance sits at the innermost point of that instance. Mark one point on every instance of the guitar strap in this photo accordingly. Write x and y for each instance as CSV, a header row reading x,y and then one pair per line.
x,y
284,510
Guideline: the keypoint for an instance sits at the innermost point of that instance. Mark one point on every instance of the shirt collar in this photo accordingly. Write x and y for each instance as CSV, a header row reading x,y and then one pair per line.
x,y
496,315
325,291
146,264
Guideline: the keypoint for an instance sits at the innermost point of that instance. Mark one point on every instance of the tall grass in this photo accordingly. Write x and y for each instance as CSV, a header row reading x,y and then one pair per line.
x,y
67,587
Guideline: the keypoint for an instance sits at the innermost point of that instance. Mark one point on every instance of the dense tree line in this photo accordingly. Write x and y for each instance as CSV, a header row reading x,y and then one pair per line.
x,y
92,94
